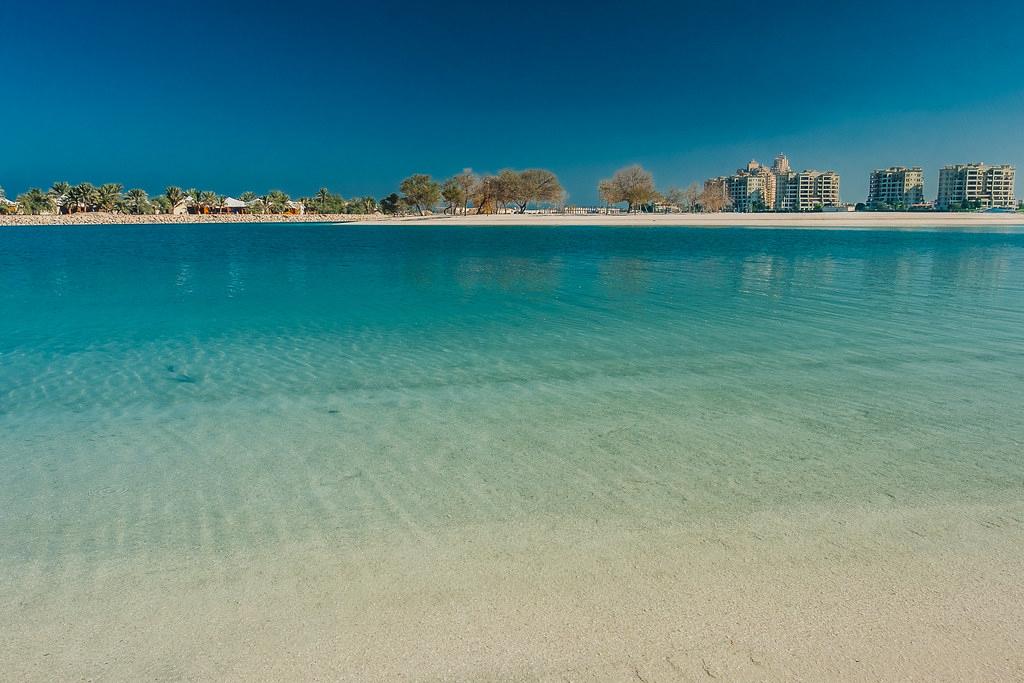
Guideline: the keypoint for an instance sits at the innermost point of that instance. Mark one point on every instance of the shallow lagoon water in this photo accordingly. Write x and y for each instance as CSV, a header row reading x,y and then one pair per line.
x,y
211,398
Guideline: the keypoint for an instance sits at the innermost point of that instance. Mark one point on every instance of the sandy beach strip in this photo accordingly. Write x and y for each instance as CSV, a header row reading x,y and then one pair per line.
x,y
814,221
852,220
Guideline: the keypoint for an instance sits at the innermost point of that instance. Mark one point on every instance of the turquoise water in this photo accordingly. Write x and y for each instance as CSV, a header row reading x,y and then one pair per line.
x,y
214,389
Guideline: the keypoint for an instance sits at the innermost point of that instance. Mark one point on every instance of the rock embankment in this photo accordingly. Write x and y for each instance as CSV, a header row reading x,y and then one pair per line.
x,y
100,218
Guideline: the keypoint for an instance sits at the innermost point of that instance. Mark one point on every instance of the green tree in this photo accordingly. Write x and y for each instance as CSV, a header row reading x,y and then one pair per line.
x,y
421,191
326,202
391,205
174,197
453,194
192,199
107,196
209,201
321,199
136,202
35,202
276,201
161,204
59,194
362,205
82,197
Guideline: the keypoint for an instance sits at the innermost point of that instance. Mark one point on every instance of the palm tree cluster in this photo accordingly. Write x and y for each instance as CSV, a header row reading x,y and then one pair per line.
x,y
64,198
327,202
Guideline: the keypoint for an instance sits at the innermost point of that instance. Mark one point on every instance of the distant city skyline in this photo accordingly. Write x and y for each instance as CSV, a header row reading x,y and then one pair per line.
x,y
240,96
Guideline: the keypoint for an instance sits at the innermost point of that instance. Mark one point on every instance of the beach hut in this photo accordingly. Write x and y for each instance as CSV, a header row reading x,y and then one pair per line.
x,y
7,206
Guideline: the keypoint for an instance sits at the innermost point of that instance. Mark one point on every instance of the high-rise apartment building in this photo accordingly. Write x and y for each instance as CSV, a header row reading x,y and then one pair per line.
x,y
976,185
781,164
758,188
806,190
897,187
751,189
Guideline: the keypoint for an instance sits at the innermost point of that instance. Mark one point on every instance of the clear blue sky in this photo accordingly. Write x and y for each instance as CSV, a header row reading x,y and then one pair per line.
x,y
234,96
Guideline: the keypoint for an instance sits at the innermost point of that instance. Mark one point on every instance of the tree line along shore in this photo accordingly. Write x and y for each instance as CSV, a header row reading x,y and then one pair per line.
x,y
507,191
466,193
631,189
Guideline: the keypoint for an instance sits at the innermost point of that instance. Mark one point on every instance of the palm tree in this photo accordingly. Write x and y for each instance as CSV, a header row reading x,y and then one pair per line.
x,y
161,204
108,195
136,201
82,197
192,195
366,205
35,202
251,201
59,194
208,200
276,201
174,197
323,195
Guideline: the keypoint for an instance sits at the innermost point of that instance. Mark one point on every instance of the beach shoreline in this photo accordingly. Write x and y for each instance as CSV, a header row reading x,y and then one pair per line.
x,y
850,220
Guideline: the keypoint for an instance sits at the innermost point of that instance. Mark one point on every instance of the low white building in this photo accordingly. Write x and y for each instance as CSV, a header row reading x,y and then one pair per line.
x,y
232,205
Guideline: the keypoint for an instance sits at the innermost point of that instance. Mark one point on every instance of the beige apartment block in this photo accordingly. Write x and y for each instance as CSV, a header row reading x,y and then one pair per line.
x,y
759,188
987,186
807,190
752,188
897,186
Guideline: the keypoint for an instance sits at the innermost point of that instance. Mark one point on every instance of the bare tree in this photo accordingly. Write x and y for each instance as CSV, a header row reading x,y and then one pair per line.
x,y
715,196
685,199
633,185
469,183
609,193
506,188
536,185
690,195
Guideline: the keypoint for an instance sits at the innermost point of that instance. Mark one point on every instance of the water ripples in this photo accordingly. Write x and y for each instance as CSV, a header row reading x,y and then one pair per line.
x,y
226,398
